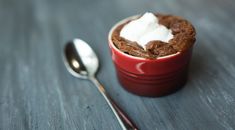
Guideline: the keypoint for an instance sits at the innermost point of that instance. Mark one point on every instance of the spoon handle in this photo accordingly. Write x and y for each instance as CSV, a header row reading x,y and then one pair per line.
x,y
122,118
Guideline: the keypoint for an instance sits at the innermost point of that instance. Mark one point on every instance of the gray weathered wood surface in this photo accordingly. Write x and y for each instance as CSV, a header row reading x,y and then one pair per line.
x,y
37,92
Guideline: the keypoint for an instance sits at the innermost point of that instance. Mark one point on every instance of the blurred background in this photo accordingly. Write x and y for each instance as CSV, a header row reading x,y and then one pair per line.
x,y
36,92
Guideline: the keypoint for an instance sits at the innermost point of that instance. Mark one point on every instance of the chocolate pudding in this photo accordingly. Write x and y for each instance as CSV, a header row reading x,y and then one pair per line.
x,y
183,38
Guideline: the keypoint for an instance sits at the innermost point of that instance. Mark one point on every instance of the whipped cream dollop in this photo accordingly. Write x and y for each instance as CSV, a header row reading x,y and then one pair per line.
x,y
146,29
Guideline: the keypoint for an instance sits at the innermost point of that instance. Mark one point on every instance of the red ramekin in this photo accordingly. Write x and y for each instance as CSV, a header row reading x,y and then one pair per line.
x,y
146,77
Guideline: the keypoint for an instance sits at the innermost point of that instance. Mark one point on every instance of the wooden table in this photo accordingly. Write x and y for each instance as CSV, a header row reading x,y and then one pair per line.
x,y
37,92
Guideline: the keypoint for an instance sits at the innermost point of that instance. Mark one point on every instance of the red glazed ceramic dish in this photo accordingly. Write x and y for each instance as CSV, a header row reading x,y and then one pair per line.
x,y
147,77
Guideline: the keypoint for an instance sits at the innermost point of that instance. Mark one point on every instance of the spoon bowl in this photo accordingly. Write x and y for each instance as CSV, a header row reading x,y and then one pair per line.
x,y
80,59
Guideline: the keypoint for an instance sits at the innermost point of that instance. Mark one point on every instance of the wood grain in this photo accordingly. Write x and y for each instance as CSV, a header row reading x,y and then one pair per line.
x,y
37,92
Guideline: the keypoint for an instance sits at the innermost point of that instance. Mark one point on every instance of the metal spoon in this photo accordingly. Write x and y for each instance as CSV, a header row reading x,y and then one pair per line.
x,y
82,62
